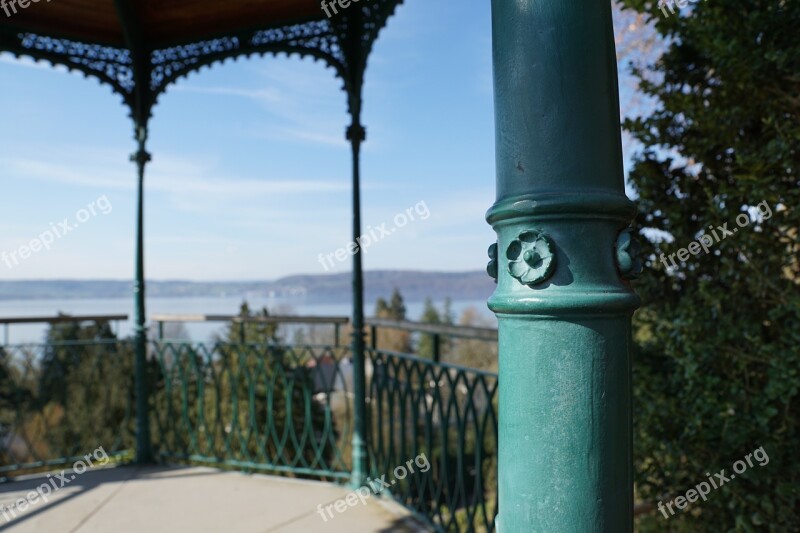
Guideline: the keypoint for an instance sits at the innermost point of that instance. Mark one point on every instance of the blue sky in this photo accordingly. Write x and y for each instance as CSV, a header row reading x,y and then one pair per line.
x,y
251,174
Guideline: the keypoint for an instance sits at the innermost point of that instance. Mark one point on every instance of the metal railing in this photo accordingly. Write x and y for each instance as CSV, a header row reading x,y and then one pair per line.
x,y
336,321
437,332
60,319
253,406
285,409
449,413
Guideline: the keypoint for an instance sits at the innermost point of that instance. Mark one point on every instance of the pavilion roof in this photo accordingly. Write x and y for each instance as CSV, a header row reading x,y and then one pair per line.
x,y
140,47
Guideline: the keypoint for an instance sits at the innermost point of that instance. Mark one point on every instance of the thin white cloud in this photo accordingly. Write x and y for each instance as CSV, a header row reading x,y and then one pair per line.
x,y
169,174
266,97
304,102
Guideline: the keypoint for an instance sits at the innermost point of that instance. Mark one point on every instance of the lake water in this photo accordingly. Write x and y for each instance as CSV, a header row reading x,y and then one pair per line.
x,y
26,333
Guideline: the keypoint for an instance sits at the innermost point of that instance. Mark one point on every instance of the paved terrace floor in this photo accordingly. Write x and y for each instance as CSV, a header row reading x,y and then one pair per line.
x,y
195,500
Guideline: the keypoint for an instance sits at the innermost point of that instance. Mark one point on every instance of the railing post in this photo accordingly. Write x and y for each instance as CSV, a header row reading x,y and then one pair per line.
x,y
161,330
336,332
562,304
373,337
437,346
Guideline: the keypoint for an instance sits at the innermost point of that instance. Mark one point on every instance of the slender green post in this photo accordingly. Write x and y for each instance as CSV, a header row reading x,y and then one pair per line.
x,y
143,449
141,105
356,59
356,135
437,348
562,304
373,337
160,330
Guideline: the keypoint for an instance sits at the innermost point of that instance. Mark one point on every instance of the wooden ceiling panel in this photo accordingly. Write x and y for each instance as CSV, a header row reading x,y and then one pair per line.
x,y
163,22
92,21
191,20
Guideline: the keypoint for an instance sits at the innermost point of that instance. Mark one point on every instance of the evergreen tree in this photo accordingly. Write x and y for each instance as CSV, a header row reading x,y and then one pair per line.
x,y
397,306
716,371
85,392
394,340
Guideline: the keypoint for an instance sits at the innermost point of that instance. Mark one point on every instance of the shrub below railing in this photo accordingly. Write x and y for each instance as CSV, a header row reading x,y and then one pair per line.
x,y
61,401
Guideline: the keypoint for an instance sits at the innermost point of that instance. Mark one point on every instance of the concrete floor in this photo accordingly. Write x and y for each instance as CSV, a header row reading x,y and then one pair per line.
x,y
195,500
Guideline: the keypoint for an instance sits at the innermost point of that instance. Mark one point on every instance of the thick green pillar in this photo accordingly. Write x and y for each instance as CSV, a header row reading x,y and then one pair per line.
x,y
561,259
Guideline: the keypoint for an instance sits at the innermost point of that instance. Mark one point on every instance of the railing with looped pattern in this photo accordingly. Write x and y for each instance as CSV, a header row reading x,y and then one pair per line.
x,y
253,406
258,407
448,413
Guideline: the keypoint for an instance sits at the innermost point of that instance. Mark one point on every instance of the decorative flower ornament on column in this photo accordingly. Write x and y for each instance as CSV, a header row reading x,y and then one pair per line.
x,y
531,258
491,268
628,248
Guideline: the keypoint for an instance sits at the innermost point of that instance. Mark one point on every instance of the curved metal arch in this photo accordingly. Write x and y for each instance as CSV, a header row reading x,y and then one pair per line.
x,y
314,40
109,65
221,58
369,19
325,40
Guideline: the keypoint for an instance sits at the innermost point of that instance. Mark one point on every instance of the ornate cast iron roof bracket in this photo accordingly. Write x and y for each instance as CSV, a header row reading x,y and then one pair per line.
x,y
323,40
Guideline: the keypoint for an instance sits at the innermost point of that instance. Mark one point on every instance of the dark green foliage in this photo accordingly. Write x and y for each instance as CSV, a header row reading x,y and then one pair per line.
x,y
67,397
58,360
8,385
395,309
716,369
252,332
12,397
393,339
431,315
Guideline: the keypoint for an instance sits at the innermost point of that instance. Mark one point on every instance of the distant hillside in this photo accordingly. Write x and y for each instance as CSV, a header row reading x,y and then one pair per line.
x,y
415,286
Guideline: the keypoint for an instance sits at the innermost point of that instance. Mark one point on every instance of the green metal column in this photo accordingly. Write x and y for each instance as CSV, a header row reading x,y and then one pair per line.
x,y
561,261
143,448
355,53
356,135
140,104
